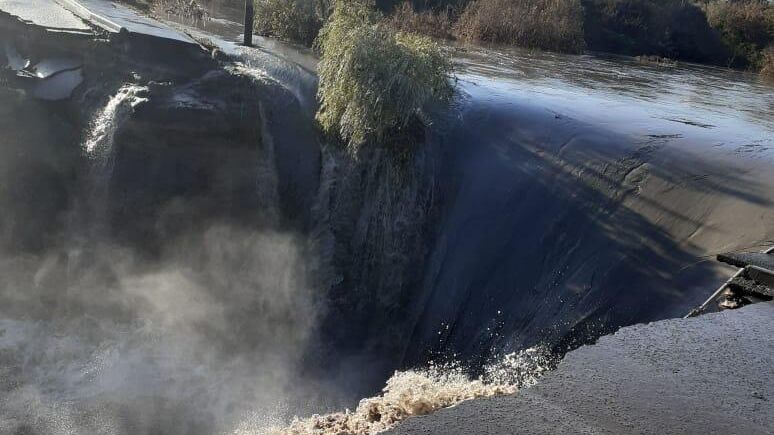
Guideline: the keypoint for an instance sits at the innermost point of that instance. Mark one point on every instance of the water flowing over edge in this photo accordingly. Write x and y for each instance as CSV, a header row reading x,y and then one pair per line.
x,y
419,392
107,121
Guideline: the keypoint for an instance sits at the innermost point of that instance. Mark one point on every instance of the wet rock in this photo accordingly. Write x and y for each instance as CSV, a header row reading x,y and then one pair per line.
x,y
733,301
51,66
14,60
58,87
199,147
743,285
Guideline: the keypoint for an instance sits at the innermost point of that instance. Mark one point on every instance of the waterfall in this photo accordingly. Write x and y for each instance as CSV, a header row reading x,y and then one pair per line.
x,y
99,143
98,148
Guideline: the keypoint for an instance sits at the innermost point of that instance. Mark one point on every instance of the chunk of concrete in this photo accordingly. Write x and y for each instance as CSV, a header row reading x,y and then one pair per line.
x,y
14,61
59,86
743,259
51,66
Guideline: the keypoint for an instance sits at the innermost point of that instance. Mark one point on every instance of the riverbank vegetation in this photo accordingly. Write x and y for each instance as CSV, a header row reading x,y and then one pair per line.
x,y
434,23
747,28
722,32
374,81
768,62
736,33
555,25
292,20
190,9
672,29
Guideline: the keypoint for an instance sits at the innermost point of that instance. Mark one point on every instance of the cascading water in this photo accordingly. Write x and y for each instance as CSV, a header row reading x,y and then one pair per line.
x,y
99,336
421,392
98,148
99,143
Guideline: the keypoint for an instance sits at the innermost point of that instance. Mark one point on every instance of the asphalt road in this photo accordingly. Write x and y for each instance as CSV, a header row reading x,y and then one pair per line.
x,y
709,375
72,16
44,13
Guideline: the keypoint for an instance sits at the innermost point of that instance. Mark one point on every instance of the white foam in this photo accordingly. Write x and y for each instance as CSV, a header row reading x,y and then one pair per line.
x,y
107,121
421,392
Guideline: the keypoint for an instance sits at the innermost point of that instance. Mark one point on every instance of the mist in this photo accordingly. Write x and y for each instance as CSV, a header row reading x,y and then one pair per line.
x,y
100,340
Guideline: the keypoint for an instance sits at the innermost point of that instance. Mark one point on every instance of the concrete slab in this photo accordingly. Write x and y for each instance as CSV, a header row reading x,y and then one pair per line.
x,y
707,375
77,15
58,87
44,13
14,60
51,66
117,18
742,259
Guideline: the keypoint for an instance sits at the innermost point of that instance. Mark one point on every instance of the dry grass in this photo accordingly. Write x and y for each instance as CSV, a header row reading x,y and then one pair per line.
x,y
748,20
291,20
767,68
436,24
555,25
143,5
746,26
190,9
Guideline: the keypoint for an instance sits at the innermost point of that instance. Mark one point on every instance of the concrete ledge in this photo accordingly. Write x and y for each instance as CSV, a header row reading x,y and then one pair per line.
x,y
90,16
44,14
117,18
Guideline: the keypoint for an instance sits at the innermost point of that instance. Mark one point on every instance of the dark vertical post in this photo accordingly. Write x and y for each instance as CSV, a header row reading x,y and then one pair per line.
x,y
249,14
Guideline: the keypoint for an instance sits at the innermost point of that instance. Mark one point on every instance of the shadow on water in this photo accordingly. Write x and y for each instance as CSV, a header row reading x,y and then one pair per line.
x,y
557,231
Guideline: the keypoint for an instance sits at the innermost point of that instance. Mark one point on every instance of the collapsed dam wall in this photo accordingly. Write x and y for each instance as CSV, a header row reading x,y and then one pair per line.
x,y
561,230
218,258
552,223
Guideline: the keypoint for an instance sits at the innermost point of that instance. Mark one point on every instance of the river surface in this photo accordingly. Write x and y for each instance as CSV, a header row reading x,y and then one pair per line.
x,y
725,106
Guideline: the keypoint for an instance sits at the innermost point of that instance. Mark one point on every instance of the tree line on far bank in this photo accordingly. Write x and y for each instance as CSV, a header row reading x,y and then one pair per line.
x,y
380,66
734,33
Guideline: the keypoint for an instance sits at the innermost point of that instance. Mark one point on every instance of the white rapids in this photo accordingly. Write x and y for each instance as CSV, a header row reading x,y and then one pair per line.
x,y
100,139
419,392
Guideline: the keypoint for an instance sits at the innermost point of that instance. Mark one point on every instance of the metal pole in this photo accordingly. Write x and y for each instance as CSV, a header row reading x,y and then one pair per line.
x,y
249,15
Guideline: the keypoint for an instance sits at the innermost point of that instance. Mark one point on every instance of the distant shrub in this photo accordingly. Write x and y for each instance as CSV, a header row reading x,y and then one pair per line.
x,y
674,29
292,20
190,9
555,25
767,68
374,81
143,5
437,24
747,26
